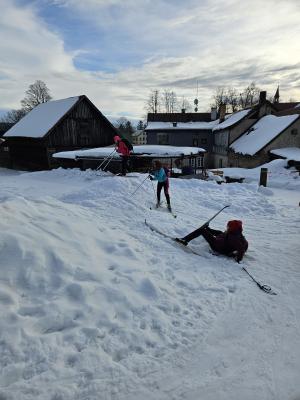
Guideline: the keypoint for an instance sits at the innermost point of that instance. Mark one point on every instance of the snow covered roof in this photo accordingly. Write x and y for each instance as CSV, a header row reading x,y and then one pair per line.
x,y
297,106
181,125
38,122
143,151
261,133
232,119
290,153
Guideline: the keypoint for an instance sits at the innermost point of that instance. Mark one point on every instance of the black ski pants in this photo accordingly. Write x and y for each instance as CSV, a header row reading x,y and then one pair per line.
x,y
164,185
125,168
208,233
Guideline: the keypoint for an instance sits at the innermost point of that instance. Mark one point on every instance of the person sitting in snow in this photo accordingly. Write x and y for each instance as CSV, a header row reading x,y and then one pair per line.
x,y
161,175
231,243
124,151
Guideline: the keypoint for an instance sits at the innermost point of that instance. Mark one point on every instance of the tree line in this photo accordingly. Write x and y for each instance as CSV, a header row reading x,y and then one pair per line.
x,y
158,101
167,101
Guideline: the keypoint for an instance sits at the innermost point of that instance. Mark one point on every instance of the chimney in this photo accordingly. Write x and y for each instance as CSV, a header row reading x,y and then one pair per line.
x,y
183,110
262,97
222,112
174,124
213,114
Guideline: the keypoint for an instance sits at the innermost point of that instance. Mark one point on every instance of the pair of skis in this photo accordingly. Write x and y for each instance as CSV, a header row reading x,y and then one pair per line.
x,y
170,211
264,288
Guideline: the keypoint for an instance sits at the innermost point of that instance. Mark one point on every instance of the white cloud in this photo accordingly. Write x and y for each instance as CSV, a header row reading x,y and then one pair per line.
x,y
174,44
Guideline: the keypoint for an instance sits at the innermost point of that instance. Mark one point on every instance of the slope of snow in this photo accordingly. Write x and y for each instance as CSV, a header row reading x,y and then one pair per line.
x,y
261,133
94,305
43,117
290,153
232,119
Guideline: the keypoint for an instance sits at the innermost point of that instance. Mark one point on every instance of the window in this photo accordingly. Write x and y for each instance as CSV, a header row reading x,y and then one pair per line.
x,y
220,163
203,141
294,131
195,142
162,138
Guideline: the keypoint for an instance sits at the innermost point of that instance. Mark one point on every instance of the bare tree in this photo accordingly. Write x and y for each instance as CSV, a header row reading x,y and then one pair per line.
x,y
249,96
36,94
153,103
232,98
13,116
220,97
169,99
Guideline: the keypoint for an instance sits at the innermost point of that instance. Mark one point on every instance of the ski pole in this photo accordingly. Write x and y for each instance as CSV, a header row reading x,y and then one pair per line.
x,y
108,162
139,186
213,217
265,288
105,159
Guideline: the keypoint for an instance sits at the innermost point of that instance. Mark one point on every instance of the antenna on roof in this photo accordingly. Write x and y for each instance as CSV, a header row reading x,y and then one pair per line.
x,y
196,100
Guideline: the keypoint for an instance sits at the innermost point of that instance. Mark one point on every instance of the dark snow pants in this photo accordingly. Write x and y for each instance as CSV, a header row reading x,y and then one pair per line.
x,y
208,233
164,185
125,168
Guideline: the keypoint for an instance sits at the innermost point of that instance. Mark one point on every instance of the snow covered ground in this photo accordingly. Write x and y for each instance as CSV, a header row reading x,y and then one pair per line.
x,y
94,305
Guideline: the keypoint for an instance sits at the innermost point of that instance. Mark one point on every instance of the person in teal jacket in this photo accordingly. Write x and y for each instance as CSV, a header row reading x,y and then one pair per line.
x,y
161,175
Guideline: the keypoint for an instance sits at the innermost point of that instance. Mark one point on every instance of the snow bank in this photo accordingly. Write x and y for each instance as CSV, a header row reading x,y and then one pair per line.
x,y
95,305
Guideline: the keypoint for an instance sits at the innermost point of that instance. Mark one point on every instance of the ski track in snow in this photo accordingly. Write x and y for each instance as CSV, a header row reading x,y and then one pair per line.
x,y
96,305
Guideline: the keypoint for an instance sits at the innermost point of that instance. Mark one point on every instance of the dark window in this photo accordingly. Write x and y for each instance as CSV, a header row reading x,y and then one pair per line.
x,y
203,141
294,131
162,138
195,142
220,163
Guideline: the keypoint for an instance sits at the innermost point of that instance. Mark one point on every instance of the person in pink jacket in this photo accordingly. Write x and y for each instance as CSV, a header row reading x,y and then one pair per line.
x,y
123,150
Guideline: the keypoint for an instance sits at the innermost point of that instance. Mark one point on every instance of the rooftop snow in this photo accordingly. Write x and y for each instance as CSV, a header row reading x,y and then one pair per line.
x,y
290,153
261,133
232,119
181,125
297,106
41,119
145,151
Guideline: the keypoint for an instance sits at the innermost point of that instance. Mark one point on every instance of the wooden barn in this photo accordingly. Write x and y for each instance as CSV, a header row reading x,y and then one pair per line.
x,y
60,125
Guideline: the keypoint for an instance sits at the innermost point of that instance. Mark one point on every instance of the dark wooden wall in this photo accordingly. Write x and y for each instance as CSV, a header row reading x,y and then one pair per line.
x,y
82,127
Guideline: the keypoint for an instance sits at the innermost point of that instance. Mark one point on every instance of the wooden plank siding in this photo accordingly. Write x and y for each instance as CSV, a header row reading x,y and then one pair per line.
x,y
83,126
82,122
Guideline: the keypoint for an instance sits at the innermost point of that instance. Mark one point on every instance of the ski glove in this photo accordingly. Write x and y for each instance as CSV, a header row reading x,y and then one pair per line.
x,y
151,178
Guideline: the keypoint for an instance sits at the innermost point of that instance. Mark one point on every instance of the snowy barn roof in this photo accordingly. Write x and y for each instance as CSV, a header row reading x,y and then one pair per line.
x,y
142,151
41,119
290,153
261,133
232,119
180,125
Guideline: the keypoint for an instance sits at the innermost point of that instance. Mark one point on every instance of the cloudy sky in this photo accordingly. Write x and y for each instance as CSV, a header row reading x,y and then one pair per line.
x,y
117,51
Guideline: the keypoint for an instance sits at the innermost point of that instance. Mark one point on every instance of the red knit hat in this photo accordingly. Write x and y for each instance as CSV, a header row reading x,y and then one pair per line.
x,y
117,138
235,226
